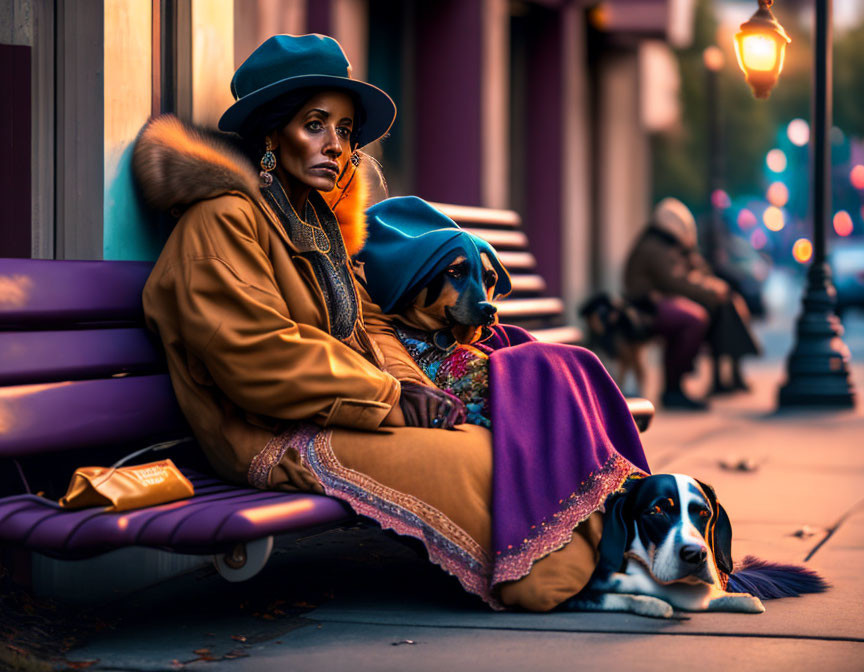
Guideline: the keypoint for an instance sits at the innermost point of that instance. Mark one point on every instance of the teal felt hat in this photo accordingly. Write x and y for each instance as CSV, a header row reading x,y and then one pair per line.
x,y
409,242
285,63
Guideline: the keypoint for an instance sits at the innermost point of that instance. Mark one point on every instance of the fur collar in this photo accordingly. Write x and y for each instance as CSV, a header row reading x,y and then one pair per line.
x,y
176,165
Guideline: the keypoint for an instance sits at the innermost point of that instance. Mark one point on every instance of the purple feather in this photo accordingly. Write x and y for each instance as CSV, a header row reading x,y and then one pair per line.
x,y
770,580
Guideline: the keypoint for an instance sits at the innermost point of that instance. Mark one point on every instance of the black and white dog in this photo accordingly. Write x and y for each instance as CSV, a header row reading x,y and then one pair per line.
x,y
667,544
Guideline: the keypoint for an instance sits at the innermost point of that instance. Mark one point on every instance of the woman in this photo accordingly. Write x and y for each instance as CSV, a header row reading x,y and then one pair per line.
x,y
692,302
288,374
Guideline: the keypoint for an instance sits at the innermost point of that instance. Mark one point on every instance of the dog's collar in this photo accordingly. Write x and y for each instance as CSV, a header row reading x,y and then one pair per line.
x,y
444,340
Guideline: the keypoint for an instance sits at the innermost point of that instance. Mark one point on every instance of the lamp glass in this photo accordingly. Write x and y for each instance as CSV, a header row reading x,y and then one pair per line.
x,y
759,52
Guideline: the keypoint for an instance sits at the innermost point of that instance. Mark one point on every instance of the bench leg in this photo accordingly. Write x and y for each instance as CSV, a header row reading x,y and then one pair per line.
x,y
245,560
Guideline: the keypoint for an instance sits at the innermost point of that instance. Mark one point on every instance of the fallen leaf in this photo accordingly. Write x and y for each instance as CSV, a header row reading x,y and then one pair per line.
x,y
81,664
744,464
236,653
238,638
804,532
202,652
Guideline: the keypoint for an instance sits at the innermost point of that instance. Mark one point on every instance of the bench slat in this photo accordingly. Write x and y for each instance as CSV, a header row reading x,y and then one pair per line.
x,y
527,283
566,335
502,239
48,356
517,261
46,291
202,524
53,417
468,214
528,308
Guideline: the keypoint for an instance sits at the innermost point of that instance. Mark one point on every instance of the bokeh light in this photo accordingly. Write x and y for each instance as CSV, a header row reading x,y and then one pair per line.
x,y
773,219
776,160
843,223
746,219
758,239
778,195
798,131
802,250
856,177
713,58
720,199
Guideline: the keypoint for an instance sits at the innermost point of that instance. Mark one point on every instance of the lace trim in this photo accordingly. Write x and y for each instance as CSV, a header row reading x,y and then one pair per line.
x,y
262,464
554,533
448,545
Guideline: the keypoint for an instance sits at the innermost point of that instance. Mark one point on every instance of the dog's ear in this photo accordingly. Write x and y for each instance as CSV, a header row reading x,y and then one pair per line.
x,y
617,527
719,531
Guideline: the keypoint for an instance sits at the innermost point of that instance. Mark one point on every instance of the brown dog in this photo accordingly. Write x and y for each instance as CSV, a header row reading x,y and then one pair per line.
x,y
456,302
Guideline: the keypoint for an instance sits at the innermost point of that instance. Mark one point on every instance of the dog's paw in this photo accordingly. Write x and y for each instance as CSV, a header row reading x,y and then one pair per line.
x,y
645,605
642,605
737,602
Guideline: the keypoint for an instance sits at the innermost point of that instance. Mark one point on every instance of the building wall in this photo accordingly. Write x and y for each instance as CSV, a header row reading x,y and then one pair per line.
x,y
212,37
622,163
16,41
576,164
128,231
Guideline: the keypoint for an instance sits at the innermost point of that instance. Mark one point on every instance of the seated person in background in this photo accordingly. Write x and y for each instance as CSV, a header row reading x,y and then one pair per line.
x,y
692,303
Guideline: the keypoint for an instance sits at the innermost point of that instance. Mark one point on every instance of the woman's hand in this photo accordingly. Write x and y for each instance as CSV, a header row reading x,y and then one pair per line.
x,y
423,406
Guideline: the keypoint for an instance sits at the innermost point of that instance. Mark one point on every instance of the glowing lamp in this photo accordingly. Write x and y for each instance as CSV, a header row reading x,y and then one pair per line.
x,y
760,47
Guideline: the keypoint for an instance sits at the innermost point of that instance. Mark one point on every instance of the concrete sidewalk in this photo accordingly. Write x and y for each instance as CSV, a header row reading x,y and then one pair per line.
x,y
360,601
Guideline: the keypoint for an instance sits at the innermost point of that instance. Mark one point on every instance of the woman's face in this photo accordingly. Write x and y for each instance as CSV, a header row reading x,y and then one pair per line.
x,y
313,147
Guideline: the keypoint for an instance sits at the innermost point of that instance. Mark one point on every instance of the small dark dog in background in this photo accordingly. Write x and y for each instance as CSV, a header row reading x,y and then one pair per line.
x,y
619,329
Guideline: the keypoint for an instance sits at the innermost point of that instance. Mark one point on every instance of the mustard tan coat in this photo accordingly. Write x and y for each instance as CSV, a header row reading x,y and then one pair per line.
x,y
246,335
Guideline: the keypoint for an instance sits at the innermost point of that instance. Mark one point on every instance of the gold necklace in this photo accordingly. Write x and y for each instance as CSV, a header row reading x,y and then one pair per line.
x,y
291,205
317,230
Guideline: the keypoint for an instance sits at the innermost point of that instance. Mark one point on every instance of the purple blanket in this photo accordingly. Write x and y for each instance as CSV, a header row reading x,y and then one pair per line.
x,y
563,440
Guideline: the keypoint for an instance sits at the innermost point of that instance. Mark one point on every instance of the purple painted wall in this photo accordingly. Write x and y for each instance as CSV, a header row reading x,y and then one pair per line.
x,y
448,101
543,149
15,225
319,17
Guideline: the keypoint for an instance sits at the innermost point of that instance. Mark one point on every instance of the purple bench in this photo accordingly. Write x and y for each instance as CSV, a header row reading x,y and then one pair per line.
x,y
82,383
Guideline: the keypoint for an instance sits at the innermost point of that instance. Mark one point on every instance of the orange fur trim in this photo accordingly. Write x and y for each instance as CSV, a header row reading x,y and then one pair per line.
x,y
350,210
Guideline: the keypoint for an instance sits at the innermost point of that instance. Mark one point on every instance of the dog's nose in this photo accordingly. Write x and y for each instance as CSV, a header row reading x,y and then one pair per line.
x,y
693,554
488,310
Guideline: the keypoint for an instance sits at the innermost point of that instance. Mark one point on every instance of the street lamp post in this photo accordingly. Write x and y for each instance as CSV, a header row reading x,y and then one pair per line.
x,y
818,366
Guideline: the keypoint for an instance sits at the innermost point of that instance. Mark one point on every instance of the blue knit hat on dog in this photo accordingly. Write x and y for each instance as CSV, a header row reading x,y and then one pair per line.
x,y
409,242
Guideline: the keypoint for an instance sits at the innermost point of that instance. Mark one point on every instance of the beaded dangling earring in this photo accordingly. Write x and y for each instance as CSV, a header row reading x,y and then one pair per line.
x,y
267,163
354,160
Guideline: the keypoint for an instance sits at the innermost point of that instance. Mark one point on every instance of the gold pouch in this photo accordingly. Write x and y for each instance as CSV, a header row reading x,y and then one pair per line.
x,y
124,488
